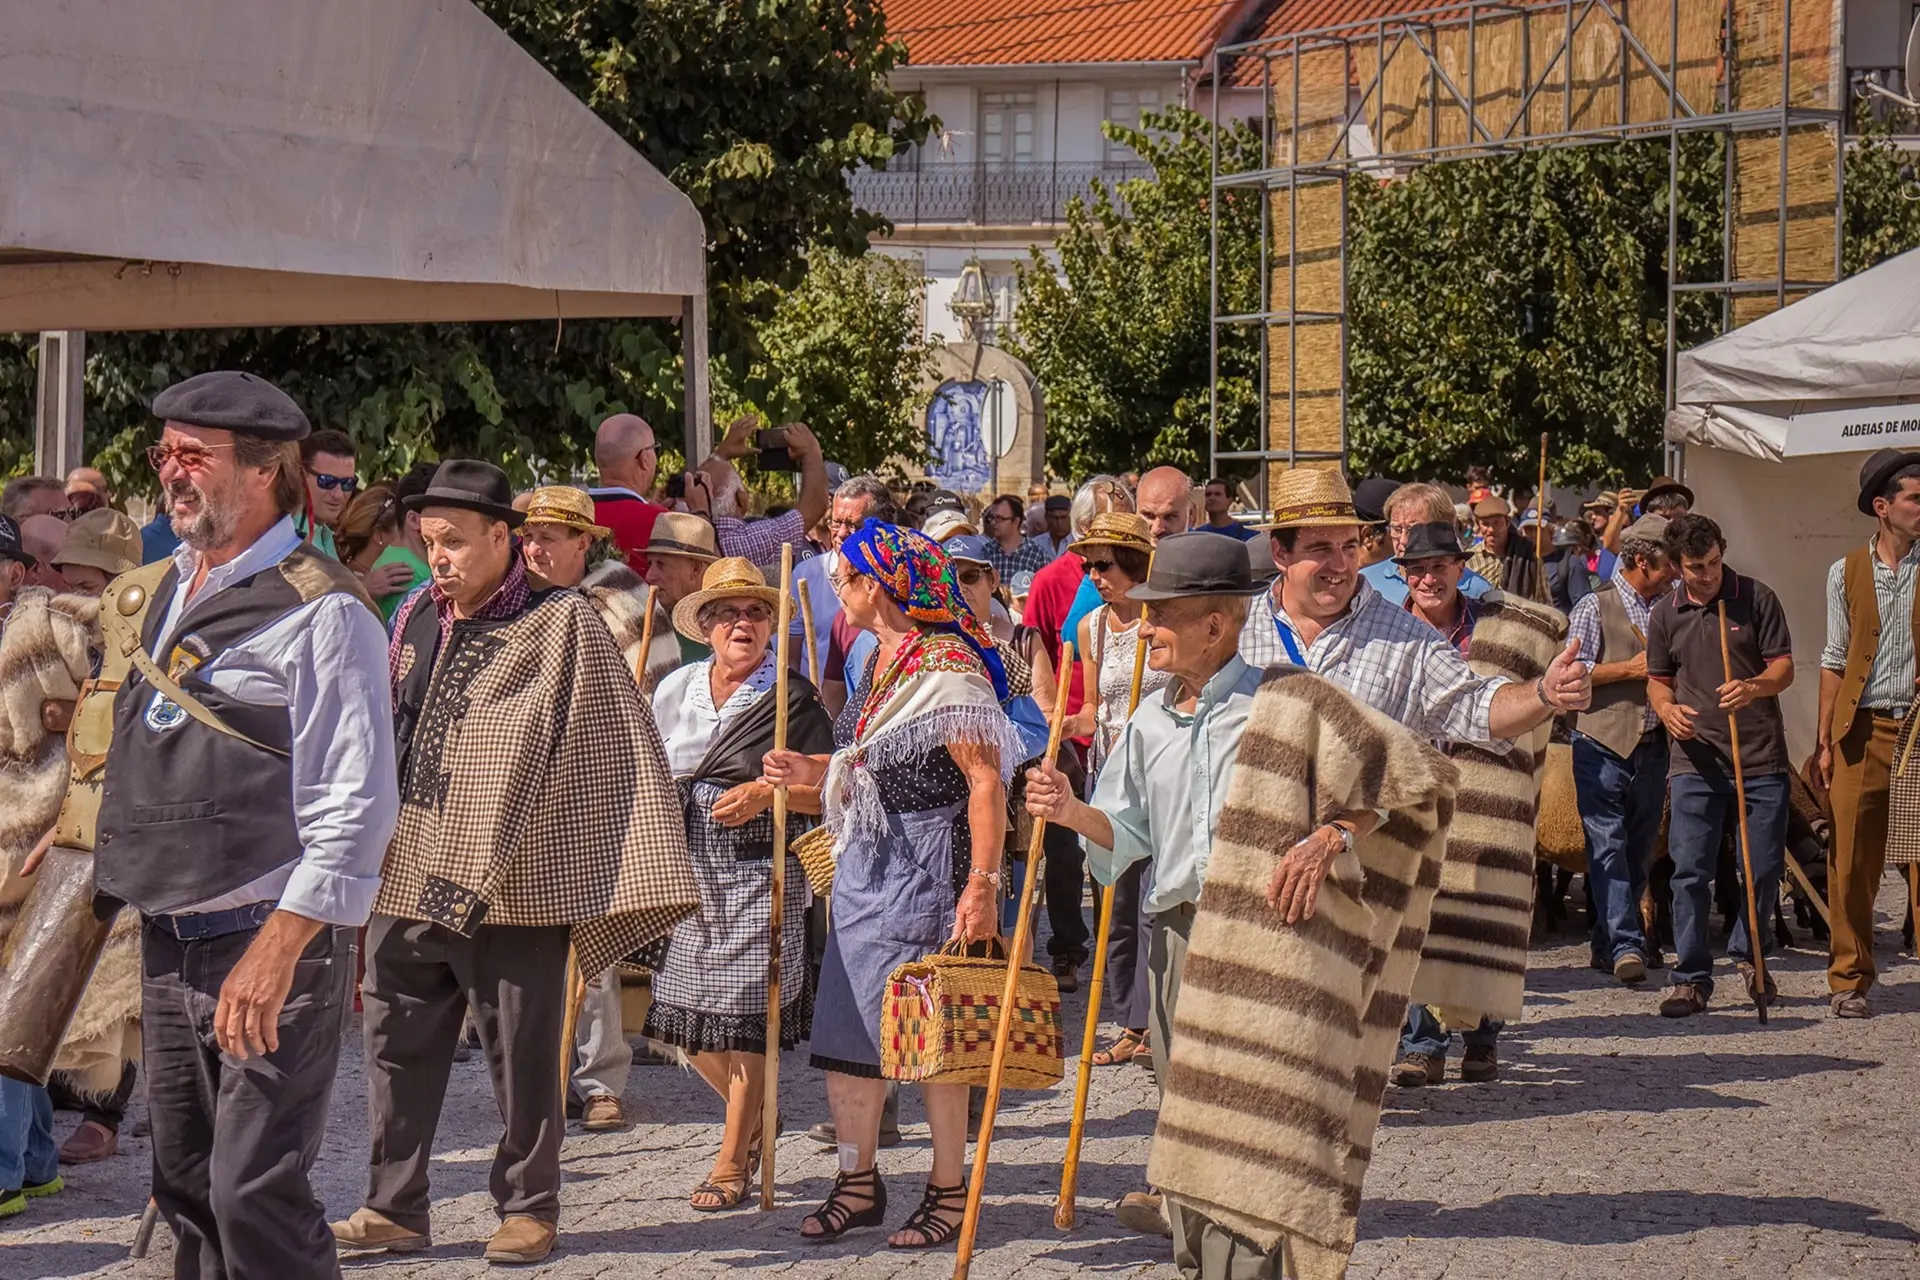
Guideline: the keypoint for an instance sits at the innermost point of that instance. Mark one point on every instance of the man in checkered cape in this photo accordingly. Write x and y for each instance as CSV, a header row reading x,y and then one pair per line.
x,y
538,819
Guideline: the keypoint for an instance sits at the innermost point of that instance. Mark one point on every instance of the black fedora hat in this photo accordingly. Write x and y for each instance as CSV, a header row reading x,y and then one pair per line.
x,y
1197,563
1665,484
1879,469
471,484
1370,498
1427,541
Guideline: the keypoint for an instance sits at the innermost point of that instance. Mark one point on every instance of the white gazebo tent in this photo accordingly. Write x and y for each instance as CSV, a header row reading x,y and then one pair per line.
x,y
193,163
1777,418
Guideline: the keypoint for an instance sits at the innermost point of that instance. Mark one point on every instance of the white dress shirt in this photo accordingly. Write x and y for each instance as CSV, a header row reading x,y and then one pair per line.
x,y
326,662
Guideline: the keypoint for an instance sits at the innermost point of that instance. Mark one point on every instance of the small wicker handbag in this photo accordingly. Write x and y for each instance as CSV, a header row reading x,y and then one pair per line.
x,y
940,1013
815,851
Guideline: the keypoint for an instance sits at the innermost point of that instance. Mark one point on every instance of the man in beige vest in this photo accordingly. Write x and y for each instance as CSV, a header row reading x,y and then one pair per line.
x,y
1620,747
1866,690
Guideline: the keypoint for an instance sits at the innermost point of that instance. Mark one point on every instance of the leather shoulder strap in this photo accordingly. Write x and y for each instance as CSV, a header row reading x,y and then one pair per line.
x,y
191,705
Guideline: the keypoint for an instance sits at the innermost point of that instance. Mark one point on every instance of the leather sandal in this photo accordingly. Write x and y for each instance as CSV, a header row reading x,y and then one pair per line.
x,y
935,1230
718,1196
1131,1044
836,1217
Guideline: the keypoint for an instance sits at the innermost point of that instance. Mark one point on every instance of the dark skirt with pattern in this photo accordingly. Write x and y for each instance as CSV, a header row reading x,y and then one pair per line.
x,y
893,902
710,991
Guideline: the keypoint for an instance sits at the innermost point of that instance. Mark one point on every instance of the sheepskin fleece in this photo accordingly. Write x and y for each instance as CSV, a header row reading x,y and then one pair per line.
x,y
1283,1034
45,654
1474,964
621,598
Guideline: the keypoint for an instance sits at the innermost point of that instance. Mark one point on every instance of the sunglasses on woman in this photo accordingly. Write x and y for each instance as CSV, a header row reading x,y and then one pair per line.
x,y
1099,566
329,483
970,575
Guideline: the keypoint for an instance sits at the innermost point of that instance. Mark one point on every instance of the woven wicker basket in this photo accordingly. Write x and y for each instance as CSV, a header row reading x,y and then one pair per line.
x,y
815,851
940,1013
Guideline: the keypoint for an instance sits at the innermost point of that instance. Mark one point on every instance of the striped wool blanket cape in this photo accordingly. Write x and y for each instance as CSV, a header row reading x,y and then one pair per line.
x,y
1474,964
1283,1034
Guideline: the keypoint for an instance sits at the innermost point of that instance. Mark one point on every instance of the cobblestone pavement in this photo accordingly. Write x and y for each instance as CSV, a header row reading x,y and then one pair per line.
x,y
1615,1144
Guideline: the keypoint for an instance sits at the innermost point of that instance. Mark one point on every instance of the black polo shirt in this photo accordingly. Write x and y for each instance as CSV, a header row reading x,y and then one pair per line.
x,y
1683,651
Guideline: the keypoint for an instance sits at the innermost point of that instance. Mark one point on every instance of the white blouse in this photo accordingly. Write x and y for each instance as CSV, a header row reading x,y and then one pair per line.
x,y
683,708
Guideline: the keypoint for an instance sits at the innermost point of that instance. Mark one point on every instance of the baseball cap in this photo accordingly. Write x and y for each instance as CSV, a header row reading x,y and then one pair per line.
x,y
970,547
10,545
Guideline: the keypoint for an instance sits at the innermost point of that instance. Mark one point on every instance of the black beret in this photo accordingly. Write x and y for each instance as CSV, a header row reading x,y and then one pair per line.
x,y
232,401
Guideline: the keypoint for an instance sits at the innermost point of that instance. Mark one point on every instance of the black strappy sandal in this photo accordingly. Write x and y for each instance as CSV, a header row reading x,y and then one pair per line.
x,y
836,1219
935,1230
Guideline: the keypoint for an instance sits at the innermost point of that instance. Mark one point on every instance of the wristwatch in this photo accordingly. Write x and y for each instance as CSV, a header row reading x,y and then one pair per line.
x,y
1346,836
991,877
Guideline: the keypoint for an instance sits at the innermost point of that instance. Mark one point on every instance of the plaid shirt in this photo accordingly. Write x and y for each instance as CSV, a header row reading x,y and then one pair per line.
x,y
1387,658
1583,624
1028,558
760,541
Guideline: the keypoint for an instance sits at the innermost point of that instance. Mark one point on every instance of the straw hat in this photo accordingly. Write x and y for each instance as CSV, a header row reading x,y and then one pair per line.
x,y
732,578
1115,529
1311,496
680,533
104,539
565,505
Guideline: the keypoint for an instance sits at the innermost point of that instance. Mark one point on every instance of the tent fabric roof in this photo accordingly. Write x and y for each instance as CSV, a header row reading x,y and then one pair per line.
x,y
384,160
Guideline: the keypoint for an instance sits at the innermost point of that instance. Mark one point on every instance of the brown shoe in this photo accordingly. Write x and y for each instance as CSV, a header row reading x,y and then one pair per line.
x,y
1144,1212
601,1113
1417,1069
521,1239
1682,1001
368,1229
1479,1064
90,1142
1851,1004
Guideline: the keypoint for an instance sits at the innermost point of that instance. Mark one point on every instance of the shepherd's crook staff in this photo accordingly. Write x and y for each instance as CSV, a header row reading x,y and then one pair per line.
x,y
1746,848
1022,934
1064,1207
770,1098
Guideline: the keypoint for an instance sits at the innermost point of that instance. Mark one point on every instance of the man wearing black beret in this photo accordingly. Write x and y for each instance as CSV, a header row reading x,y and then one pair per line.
x,y
249,794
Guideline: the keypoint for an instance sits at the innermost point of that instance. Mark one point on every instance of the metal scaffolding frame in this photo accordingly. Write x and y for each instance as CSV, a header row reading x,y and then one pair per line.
x,y
1421,33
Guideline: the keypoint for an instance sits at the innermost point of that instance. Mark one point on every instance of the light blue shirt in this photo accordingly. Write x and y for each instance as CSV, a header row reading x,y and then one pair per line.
x,y
1386,578
1166,783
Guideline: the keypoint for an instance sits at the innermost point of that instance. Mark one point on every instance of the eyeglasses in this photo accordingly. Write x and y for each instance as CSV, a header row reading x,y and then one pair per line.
x,y
329,483
840,581
1099,566
1400,530
726,615
188,457
970,575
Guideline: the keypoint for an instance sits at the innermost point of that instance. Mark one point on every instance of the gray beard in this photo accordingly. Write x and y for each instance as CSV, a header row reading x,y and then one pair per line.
x,y
213,527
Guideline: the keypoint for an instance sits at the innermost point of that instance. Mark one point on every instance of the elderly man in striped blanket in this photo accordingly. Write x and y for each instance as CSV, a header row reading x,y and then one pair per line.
x,y
1296,837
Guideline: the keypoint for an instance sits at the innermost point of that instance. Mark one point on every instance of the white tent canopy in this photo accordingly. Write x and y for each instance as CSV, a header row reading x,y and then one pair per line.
x,y
183,163
1778,417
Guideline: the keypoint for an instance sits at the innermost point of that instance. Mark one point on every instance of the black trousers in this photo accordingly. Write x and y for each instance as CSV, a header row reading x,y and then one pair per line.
x,y
421,980
1065,875
234,1141
1129,984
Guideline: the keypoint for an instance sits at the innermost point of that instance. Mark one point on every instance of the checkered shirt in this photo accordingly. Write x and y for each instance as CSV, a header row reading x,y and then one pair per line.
x,y
1390,660
1583,624
759,541
1028,558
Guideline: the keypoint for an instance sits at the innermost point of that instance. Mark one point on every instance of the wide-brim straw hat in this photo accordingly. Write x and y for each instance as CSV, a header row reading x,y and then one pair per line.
x,y
1309,496
565,505
1115,529
732,578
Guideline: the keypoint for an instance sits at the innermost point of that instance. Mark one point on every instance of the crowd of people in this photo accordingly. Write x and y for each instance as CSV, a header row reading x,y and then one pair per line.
x,y
488,739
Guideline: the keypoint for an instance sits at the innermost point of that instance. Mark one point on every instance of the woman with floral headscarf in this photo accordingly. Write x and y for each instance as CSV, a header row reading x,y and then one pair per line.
x,y
917,807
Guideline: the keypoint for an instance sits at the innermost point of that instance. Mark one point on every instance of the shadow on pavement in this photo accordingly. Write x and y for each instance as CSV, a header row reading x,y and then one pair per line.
x,y
1620,1217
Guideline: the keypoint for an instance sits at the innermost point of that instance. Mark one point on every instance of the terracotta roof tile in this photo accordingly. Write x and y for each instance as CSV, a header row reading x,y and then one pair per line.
x,y
1013,32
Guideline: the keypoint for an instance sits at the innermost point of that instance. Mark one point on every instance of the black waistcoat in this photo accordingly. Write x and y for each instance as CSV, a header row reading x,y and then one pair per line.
x,y
188,813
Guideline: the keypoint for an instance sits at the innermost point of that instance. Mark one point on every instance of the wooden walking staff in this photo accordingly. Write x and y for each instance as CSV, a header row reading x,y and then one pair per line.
x,y
1063,1208
646,647
576,995
1540,590
1746,847
1022,934
811,657
770,1098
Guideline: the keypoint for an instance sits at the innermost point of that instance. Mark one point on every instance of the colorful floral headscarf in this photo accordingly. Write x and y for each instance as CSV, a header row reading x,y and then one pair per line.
x,y
912,569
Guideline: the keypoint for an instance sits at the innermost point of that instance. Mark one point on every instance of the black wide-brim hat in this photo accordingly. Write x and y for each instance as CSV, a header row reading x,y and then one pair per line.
x,y
473,485
1879,469
1197,563
1665,484
1430,541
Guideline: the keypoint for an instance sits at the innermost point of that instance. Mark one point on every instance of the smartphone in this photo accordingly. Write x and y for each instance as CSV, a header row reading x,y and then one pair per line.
x,y
774,454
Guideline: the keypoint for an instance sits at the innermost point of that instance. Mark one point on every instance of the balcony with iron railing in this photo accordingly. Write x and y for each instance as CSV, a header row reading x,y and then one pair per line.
x,y
982,195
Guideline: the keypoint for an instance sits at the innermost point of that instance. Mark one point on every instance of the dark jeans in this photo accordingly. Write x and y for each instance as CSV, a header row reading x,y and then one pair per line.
x,y
1620,804
1424,1034
233,1140
1128,946
1702,812
421,980
1065,875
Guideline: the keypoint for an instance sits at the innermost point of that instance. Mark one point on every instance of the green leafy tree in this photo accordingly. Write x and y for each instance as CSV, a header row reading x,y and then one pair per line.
x,y
844,353
1117,332
755,108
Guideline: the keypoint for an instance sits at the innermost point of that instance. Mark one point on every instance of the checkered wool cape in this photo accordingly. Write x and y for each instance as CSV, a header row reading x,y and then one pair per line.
x,y
1474,964
537,792
1283,1034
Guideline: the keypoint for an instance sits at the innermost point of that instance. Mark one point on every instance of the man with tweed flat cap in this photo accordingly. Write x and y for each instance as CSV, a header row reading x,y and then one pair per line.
x,y
538,821
247,799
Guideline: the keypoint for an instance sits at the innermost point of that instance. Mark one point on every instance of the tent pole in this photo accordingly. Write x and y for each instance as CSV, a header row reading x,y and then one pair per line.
x,y
693,347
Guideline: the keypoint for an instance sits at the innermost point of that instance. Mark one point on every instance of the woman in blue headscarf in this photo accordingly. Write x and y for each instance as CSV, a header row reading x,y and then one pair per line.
x,y
917,807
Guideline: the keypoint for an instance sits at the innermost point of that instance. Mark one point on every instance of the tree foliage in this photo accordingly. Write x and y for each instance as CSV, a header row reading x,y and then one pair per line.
x,y
1118,333
754,108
